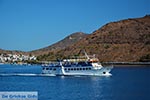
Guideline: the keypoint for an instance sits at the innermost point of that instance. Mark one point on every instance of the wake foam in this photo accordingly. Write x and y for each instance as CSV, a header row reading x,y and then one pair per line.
x,y
24,74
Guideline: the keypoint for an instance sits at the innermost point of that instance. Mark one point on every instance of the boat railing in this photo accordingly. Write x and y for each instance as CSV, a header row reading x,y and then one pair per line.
x,y
51,64
68,64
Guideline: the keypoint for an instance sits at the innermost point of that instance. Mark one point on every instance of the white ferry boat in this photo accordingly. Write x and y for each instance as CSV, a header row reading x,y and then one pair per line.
x,y
88,66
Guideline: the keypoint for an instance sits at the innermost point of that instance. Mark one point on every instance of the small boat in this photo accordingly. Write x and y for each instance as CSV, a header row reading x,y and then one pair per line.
x,y
88,66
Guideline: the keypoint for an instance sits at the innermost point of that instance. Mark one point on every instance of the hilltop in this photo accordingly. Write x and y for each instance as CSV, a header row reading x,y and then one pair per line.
x,y
125,40
62,44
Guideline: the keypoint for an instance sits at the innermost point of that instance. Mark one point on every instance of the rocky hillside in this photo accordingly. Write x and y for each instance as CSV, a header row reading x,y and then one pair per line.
x,y
125,40
69,40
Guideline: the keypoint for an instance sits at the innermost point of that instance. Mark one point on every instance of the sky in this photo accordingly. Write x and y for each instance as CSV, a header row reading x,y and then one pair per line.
x,y
32,24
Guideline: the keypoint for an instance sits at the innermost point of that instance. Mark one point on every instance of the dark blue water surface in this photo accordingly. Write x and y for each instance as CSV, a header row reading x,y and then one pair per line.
x,y
126,83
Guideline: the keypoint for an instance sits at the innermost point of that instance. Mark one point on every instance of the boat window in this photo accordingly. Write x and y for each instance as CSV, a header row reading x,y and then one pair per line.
x,y
47,68
86,68
50,69
74,68
83,68
80,68
43,68
89,68
77,68
68,68
71,68
65,69
54,69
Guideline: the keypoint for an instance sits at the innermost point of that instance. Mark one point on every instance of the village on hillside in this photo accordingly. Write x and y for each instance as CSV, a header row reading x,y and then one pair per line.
x,y
16,58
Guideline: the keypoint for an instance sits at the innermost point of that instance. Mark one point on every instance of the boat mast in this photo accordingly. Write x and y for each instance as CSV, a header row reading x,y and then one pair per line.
x,y
86,55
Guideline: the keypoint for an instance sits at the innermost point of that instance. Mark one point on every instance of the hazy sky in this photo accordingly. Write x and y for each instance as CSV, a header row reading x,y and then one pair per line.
x,y
31,24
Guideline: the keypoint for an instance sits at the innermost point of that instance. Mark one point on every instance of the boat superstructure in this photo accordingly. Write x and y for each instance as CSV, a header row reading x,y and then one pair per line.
x,y
88,66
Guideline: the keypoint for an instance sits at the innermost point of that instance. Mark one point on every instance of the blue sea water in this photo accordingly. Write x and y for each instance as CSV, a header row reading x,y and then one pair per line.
x,y
126,83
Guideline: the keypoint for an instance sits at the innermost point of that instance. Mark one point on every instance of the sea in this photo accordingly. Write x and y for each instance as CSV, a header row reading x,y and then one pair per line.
x,y
126,83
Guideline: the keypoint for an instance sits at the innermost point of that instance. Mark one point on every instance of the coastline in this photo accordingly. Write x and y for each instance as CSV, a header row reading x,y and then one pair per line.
x,y
127,64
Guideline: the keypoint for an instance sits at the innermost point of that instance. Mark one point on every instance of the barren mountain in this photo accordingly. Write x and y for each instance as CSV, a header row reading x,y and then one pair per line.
x,y
125,40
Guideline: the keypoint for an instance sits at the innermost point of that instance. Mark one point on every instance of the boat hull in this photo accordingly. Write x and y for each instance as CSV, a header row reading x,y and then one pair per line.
x,y
103,71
